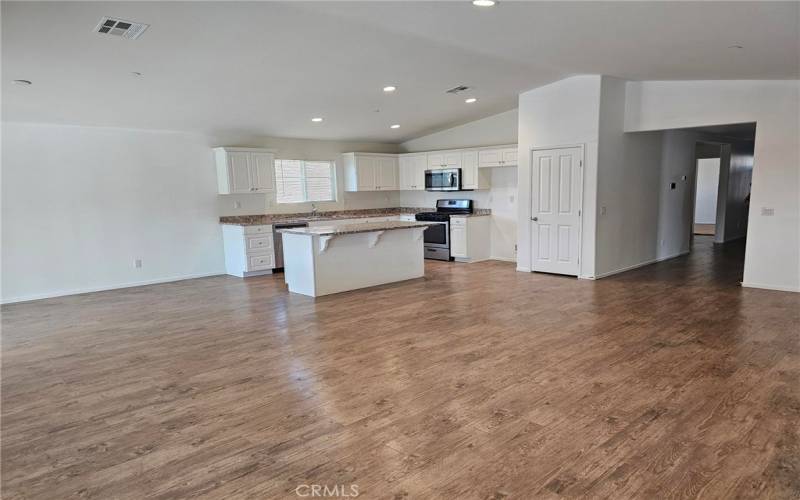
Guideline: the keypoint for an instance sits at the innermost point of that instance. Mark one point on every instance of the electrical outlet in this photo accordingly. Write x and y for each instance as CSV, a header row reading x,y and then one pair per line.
x,y
237,204
137,263
603,210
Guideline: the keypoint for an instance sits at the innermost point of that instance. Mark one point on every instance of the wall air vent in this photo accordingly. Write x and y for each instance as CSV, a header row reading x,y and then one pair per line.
x,y
121,28
456,90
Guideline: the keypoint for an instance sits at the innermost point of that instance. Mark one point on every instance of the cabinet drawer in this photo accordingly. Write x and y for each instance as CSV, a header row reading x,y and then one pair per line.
x,y
458,221
257,229
260,262
259,243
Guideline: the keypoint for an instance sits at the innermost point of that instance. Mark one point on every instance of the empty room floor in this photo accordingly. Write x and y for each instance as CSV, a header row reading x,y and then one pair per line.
x,y
474,382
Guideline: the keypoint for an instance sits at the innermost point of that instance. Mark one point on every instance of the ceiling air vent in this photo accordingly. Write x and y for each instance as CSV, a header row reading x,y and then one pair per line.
x,y
456,90
121,28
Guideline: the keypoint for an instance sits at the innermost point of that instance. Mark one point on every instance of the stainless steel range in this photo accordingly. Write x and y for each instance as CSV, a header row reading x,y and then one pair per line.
x,y
437,236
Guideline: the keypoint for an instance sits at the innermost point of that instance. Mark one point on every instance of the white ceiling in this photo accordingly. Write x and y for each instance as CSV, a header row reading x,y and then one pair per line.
x,y
267,68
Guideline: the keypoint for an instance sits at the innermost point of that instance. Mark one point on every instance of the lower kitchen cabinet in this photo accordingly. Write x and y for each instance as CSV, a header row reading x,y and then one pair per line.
x,y
249,250
470,238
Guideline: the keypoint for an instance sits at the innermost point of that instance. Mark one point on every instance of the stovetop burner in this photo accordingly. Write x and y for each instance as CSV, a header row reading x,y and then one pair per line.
x,y
446,208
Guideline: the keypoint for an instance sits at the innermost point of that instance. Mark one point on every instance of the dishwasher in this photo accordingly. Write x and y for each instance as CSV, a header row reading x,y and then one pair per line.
x,y
277,241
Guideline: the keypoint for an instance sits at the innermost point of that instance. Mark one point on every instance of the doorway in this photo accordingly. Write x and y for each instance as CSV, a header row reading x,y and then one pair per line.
x,y
707,194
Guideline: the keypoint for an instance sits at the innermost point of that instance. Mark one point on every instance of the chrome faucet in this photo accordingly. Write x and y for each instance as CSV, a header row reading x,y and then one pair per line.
x,y
313,210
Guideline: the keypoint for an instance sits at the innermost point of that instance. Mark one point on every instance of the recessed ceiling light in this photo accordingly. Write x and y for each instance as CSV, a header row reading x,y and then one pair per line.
x,y
483,3
470,100
389,88
395,126
136,73
22,82
316,120
735,47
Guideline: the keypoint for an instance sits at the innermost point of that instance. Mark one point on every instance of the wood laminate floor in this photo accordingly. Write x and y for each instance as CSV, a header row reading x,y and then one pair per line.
x,y
474,382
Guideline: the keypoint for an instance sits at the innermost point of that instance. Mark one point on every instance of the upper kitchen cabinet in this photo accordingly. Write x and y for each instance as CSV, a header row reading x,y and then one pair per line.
x,y
444,159
370,172
498,157
412,171
245,170
473,177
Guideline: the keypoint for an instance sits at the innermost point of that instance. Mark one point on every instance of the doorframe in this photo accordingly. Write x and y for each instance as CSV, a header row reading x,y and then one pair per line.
x,y
720,190
582,147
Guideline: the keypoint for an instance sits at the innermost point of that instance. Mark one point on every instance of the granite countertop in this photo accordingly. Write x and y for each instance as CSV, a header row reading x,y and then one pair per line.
x,y
266,219
362,227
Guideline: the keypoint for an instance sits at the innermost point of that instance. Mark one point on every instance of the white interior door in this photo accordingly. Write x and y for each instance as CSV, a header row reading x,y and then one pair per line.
x,y
556,192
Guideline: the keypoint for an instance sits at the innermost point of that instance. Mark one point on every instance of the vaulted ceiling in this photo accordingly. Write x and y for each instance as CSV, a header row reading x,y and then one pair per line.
x,y
269,67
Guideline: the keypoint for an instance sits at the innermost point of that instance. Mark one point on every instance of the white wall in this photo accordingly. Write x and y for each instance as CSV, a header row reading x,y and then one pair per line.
x,y
497,129
707,184
772,258
80,204
501,198
564,113
628,179
305,149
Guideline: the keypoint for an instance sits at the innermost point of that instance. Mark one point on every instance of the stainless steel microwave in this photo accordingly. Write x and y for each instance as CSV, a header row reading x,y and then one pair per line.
x,y
446,179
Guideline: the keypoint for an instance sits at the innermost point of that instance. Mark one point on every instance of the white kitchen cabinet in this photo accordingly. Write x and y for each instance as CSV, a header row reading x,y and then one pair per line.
x,y
386,174
412,171
249,250
444,159
473,177
458,238
498,157
469,238
370,172
244,170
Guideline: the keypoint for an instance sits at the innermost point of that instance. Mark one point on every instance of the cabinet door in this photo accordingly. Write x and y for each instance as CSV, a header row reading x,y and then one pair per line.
x,y
452,160
458,241
239,172
365,172
490,157
262,171
469,170
435,161
406,172
509,157
387,174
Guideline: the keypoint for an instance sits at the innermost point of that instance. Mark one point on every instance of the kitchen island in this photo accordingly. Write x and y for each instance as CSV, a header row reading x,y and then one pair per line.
x,y
329,259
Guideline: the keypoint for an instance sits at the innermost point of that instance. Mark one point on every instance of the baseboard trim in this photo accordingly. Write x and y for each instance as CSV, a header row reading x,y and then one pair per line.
x,y
504,259
779,288
78,291
523,269
641,264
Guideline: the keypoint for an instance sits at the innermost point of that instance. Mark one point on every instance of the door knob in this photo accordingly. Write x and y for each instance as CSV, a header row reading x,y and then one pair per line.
x,y
534,219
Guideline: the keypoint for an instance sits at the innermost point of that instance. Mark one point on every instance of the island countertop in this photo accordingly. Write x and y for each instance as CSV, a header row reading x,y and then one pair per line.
x,y
267,219
364,227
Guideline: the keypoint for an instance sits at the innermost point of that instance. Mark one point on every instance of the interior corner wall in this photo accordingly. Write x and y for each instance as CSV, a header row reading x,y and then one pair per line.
x,y
772,257
628,179
564,113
